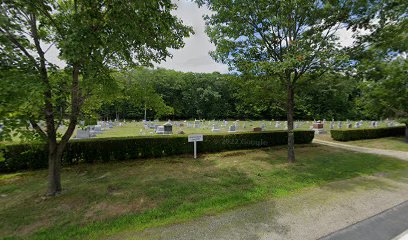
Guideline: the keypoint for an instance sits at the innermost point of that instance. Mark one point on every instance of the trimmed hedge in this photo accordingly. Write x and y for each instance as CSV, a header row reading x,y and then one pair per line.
x,y
34,156
366,133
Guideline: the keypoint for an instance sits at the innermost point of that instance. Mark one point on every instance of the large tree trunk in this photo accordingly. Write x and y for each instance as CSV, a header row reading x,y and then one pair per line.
x,y
291,136
406,132
54,165
56,149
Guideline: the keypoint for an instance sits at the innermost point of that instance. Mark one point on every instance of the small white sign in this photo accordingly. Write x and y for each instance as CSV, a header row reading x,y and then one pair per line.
x,y
195,138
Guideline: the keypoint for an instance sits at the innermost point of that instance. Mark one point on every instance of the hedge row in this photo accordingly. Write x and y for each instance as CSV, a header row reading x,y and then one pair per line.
x,y
367,133
34,156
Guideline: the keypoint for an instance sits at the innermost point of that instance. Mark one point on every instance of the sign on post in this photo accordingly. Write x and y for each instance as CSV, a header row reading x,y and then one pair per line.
x,y
195,138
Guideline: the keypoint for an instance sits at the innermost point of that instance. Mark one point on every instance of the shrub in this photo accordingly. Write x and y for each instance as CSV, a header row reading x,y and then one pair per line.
x,y
366,133
34,156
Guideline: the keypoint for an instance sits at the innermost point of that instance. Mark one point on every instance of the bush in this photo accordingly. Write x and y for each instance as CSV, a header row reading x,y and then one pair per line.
x,y
366,133
34,156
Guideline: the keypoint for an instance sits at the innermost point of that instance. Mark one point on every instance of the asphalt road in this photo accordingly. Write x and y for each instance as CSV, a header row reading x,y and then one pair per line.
x,y
383,226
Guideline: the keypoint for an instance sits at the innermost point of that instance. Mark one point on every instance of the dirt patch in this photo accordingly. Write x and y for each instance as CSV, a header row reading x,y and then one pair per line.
x,y
34,227
106,210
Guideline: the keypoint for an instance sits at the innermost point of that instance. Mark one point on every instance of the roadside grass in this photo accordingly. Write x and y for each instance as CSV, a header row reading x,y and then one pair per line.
x,y
388,143
103,199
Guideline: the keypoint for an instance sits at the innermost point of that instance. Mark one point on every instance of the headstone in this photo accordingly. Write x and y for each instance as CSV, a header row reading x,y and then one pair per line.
x,y
168,128
215,128
318,127
232,128
340,124
332,125
197,124
349,125
82,134
257,129
160,130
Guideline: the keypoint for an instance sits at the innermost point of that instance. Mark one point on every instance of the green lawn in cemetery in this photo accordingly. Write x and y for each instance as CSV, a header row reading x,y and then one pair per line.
x,y
137,128
105,199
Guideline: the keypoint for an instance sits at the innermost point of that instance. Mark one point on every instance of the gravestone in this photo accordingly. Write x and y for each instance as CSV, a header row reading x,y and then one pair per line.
x,y
160,130
82,134
340,124
257,129
349,125
168,128
318,128
197,124
215,128
232,128
332,125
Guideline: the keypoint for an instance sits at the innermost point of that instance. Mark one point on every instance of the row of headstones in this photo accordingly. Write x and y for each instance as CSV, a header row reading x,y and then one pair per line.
x,y
90,131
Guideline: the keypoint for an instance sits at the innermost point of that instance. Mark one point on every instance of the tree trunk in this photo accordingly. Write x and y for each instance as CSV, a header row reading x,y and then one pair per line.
x,y
291,136
406,132
54,165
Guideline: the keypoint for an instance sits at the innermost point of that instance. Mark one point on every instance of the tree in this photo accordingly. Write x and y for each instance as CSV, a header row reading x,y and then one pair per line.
x,y
139,90
283,39
92,37
380,59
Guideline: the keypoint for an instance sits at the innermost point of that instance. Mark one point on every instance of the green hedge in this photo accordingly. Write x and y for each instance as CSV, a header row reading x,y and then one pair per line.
x,y
34,156
366,133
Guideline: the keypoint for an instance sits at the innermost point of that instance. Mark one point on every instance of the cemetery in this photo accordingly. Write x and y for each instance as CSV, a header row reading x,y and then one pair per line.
x,y
203,119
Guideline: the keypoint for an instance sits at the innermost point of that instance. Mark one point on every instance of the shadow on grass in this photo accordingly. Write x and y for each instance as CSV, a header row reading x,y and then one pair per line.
x,y
181,188
324,165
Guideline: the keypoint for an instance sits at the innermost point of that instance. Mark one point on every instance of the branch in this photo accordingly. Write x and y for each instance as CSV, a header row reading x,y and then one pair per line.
x,y
14,40
75,107
38,128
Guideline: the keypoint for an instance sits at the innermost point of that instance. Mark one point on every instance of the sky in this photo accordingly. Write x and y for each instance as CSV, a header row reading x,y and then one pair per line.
x,y
194,56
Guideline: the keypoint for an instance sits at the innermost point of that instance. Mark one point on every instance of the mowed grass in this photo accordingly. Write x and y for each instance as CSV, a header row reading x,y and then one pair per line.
x,y
388,143
103,199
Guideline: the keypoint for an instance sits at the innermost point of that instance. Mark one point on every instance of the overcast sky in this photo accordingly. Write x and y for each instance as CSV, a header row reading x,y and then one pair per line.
x,y
194,56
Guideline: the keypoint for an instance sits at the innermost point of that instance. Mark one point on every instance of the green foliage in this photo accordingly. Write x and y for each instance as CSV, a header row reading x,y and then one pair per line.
x,y
367,133
380,58
385,91
34,156
92,38
276,38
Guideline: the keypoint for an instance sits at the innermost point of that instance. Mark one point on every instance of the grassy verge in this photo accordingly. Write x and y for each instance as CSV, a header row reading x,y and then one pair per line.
x,y
388,143
104,199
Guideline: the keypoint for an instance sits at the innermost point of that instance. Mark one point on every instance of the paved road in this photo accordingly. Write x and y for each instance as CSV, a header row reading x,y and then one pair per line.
x,y
383,226
391,153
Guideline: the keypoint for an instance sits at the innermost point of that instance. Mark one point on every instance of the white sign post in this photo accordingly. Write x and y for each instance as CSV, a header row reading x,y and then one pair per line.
x,y
195,138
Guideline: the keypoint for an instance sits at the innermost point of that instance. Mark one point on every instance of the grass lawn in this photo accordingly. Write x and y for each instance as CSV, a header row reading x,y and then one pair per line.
x,y
103,199
389,143
131,129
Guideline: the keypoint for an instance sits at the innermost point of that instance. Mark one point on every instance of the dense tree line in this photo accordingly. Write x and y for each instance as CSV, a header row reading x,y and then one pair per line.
x,y
177,95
